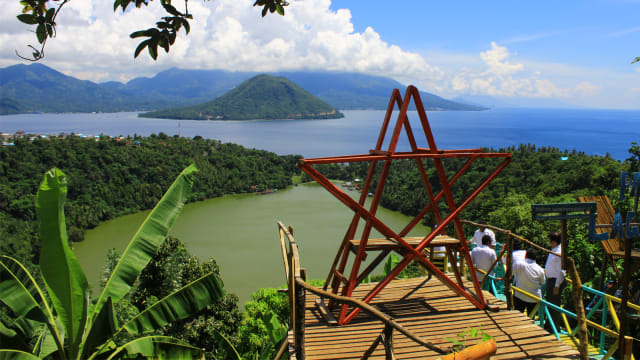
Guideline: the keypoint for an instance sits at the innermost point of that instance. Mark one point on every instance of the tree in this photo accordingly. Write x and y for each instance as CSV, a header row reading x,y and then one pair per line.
x,y
43,13
63,324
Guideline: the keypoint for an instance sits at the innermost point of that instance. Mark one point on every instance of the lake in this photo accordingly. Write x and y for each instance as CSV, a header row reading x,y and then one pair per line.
x,y
240,232
593,131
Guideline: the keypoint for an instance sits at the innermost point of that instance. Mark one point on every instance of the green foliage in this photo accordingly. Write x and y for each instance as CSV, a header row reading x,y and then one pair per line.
x,y
113,177
165,32
171,268
271,6
265,317
261,97
60,322
468,334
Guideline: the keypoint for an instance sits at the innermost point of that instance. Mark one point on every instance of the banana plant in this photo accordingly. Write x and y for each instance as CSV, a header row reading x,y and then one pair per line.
x,y
60,321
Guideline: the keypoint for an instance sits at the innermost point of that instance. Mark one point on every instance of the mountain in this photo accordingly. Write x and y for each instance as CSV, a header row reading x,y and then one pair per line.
x,y
37,87
261,97
342,90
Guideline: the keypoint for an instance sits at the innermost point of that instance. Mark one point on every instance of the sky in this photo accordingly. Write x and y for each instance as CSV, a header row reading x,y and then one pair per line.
x,y
569,53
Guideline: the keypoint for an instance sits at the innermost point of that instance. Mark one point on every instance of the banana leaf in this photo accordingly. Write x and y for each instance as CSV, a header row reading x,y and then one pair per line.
x,y
103,328
63,276
158,347
178,305
19,291
147,239
16,355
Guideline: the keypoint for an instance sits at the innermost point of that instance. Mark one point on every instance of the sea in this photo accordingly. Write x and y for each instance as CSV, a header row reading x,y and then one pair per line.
x,y
592,131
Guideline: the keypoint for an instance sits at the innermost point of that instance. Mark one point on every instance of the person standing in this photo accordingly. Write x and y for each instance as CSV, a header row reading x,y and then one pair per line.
x,y
529,276
483,258
555,275
482,231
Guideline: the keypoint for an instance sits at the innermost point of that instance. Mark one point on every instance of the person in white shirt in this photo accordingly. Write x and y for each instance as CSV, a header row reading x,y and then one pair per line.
x,y
555,276
529,277
482,231
483,258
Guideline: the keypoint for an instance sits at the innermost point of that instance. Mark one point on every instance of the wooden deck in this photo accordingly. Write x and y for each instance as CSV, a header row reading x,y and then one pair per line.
x,y
434,313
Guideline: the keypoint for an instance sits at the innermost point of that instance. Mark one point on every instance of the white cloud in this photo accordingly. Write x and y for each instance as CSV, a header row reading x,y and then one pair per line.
x,y
498,76
93,42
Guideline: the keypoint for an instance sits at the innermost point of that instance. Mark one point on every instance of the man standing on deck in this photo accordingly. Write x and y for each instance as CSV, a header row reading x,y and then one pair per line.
x,y
529,277
483,258
555,276
482,231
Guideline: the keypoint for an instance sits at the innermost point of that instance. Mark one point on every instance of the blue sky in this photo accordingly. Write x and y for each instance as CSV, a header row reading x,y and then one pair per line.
x,y
527,53
591,33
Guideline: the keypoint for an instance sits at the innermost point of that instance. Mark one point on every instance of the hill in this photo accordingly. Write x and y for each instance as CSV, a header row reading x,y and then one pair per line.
x,y
261,97
37,87
343,90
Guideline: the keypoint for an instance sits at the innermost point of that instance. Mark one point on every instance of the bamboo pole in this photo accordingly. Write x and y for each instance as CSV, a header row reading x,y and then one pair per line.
x,y
583,335
508,275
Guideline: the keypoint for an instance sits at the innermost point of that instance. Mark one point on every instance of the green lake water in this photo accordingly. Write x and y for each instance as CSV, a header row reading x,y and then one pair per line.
x,y
240,232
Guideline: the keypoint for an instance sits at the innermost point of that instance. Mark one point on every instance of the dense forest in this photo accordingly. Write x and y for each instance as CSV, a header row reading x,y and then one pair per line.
x,y
110,177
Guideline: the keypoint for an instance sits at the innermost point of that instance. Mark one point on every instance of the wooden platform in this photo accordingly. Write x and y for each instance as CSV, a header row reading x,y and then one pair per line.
x,y
434,313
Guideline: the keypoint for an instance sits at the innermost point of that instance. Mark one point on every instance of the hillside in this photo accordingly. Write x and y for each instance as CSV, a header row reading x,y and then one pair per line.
x,y
342,90
261,97
37,87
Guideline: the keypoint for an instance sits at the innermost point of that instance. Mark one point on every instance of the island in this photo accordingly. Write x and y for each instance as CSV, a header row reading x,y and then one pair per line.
x,y
262,97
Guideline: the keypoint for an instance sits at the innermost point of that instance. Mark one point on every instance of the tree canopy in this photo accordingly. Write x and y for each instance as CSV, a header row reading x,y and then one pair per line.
x,y
43,13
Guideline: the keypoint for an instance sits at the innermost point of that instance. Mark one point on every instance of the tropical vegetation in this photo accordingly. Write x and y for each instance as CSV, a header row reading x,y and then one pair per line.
x,y
110,177
62,322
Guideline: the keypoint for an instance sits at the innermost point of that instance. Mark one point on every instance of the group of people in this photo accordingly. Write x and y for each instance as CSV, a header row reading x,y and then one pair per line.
x,y
529,276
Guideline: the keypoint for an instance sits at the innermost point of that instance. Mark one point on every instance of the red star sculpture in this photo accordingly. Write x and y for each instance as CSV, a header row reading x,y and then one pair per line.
x,y
409,248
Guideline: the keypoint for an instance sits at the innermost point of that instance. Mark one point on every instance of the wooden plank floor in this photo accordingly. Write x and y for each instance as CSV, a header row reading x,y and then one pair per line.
x,y
434,313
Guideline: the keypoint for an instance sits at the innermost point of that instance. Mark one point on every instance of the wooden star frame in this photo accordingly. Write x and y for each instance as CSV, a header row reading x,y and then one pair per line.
x,y
410,249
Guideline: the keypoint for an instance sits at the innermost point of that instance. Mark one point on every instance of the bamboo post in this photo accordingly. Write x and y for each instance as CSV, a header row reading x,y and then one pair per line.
x,y
583,335
299,325
508,273
564,243
387,334
626,276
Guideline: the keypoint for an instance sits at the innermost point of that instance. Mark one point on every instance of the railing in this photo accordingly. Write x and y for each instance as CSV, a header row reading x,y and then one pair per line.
x,y
297,287
603,305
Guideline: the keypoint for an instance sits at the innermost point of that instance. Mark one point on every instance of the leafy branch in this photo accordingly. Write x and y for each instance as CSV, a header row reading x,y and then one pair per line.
x,y
163,35
165,32
637,59
35,12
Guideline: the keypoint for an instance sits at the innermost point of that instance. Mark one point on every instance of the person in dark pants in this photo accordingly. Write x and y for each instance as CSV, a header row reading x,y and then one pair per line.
x,y
555,277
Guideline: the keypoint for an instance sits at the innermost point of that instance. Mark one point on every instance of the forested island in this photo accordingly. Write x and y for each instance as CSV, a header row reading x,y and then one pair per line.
x,y
261,97
110,177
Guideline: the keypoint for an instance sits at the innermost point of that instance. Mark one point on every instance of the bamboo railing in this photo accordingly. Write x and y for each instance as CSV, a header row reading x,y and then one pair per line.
x,y
577,292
